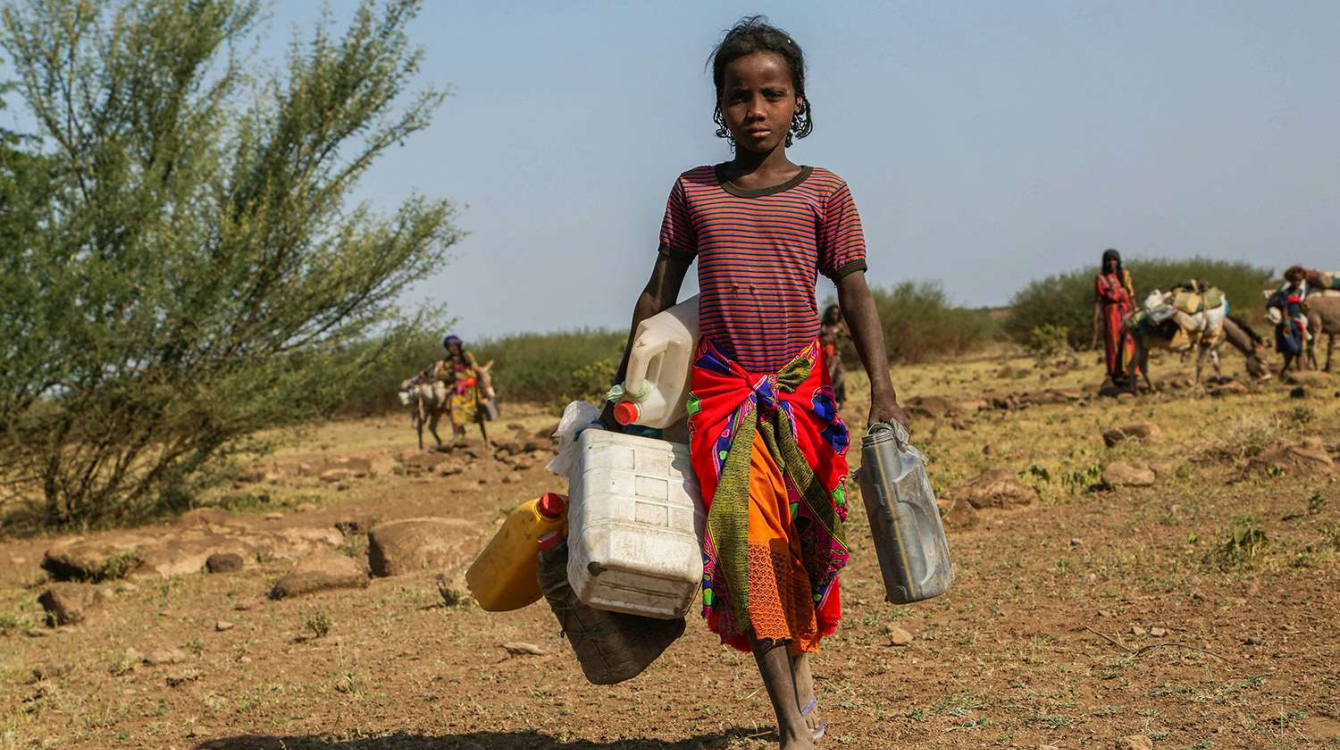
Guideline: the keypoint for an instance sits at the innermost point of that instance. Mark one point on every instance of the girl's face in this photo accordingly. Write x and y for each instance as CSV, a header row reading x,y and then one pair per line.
x,y
454,348
1110,265
758,101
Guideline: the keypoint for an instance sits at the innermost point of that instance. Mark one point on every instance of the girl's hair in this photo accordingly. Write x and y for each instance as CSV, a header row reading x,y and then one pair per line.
x,y
1112,254
751,35
832,315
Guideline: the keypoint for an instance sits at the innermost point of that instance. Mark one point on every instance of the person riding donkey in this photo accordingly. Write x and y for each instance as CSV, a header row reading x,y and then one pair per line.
x,y
470,388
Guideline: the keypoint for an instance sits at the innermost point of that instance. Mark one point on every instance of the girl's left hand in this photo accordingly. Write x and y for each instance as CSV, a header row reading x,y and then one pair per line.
x,y
887,409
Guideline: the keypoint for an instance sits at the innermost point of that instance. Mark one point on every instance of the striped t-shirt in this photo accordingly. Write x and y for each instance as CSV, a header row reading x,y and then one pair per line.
x,y
759,255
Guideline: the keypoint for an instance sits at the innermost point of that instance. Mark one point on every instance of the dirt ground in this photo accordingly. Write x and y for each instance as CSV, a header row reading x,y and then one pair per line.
x,y
1200,612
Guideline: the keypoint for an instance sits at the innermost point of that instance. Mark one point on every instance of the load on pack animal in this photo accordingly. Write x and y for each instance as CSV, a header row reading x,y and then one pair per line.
x,y
1193,315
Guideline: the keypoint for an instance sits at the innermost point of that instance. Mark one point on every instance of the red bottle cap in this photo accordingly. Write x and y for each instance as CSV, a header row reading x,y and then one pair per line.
x,y
550,540
626,412
551,505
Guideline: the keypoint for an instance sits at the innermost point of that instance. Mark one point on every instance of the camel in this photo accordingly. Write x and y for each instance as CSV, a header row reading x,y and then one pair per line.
x,y
430,399
1205,331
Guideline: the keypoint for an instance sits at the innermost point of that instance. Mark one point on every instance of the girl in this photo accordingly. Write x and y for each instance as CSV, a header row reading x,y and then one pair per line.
x,y
1114,300
766,441
831,328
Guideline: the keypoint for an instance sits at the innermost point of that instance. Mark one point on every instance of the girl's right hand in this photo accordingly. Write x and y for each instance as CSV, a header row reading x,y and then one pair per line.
x,y
607,418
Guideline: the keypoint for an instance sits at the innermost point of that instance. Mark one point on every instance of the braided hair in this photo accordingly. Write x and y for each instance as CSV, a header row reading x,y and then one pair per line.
x,y
752,35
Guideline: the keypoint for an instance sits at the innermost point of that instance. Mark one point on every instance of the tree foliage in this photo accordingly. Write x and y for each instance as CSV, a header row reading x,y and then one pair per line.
x,y
182,264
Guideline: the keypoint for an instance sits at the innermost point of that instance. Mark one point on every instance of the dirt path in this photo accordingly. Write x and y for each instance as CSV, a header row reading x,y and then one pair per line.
x,y
1084,617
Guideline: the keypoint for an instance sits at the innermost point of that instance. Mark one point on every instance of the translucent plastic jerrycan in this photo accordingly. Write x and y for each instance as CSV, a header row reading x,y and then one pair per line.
x,y
503,577
904,519
634,525
657,386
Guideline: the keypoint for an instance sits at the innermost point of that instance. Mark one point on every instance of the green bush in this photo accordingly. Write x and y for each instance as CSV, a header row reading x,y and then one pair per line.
x,y
920,323
1066,300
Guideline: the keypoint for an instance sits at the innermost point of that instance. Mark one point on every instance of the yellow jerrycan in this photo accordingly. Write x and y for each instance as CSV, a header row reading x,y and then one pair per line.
x,y
505,575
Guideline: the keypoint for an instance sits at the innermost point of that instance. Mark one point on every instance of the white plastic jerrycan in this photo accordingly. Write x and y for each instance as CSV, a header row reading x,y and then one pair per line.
x,y
634,523
657,386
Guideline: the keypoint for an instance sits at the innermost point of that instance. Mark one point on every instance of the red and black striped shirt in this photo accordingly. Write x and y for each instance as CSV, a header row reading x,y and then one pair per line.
x,y
759,254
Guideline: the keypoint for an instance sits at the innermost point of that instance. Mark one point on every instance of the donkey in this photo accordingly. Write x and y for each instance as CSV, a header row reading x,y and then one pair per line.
x,y
428,400
1205,332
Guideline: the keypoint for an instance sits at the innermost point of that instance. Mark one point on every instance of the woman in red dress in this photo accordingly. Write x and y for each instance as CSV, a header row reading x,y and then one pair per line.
x,y
1115,299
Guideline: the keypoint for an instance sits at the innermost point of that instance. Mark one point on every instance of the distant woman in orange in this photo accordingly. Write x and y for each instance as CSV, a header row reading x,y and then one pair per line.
x,y
1114,300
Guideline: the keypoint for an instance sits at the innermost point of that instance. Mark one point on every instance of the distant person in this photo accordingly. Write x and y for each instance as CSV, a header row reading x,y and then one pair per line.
x,y
763,418
831,329
468,385
1114,300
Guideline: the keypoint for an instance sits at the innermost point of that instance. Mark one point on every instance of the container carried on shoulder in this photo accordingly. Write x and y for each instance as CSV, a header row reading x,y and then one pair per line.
x,y
904,519
610,646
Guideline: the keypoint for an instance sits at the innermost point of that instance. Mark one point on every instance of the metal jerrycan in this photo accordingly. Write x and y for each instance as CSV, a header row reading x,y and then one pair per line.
x,y
904,519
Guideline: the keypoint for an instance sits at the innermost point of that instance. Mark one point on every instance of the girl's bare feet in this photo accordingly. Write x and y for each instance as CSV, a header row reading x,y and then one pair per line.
x,y
805,695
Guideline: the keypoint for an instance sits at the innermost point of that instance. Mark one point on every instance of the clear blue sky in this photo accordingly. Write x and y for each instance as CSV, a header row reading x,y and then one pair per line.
x,y
987,143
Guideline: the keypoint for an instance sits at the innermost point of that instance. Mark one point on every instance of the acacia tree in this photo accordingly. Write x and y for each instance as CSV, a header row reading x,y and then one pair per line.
x,y
185,267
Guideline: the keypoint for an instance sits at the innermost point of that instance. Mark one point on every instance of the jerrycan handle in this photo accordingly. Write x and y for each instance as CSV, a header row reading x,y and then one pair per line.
x,y
637,367
900,434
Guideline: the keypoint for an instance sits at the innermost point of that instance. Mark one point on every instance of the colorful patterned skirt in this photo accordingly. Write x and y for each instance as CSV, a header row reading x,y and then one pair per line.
x,y
769,453
464,402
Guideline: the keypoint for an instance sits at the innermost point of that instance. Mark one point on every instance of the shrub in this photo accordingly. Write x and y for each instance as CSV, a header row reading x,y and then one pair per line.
x,y
920,323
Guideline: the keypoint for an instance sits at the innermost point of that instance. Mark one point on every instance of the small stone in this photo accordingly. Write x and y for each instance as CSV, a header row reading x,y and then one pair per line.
x,y
522,649
1158,632
165,656
899,637
1137,630
223,625
1128,474
1134,742
1076,542
305,507
224,562
1252,640
273,516
69,603
181,676
1140,432
243,606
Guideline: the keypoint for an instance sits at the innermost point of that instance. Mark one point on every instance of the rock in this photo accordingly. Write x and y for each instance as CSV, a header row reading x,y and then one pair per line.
x,y
1128,474
422,461
224,562
1140,432
932,407
49,671
1164,466
381,464
1299,392
69,603
358,524
1136,630
970,406
306,507
181,675
415,544
223,626
899,637
998,488
165,656
1176,382
1311,378
258,474
955,514
187,552
273,516
342,469
1055,396
1232,388
1134,742
1304,457
110,556
321,572
522,649
1158,632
